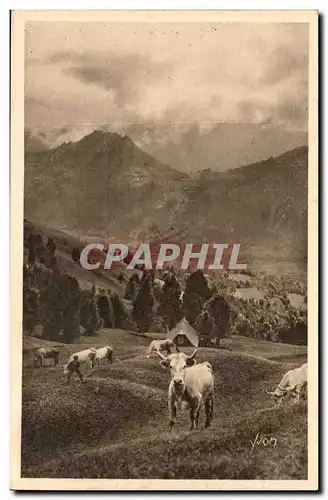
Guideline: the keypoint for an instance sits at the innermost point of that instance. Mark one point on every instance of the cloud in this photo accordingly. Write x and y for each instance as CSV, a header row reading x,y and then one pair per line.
x,y
126,76
284,64
287,109
93,74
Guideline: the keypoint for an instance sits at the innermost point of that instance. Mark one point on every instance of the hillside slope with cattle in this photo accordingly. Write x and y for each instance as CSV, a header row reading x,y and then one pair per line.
x,y
115,425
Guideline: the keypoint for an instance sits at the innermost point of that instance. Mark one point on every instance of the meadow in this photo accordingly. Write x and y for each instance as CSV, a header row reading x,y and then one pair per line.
x,y
116,424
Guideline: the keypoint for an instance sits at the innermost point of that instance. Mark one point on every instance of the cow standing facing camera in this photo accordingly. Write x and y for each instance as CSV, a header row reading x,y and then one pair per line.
x,y
191,385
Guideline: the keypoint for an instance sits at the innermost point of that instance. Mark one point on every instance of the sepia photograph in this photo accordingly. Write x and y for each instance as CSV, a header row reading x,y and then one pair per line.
x,y
164,250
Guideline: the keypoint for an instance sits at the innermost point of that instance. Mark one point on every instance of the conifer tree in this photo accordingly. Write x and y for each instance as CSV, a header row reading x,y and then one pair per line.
x,y
119,311
197,292
170,302
143,307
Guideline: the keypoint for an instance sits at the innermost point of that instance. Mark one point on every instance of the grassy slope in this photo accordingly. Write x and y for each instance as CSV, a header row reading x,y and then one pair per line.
x,y
115,426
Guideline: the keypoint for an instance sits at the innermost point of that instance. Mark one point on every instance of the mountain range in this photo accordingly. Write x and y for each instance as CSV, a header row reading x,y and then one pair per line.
x,y
105,185
187,147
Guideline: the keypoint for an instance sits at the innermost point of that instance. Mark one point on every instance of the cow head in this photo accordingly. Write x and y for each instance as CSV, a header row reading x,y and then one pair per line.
x,y
277,395
177,364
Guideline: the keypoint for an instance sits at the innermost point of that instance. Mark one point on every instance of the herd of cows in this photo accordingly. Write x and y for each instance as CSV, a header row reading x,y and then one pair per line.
x,y
191,385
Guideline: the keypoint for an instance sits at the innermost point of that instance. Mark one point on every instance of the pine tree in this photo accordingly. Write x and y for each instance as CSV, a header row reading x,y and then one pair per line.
x,y
204,326
197,292
89,317
71,311
170,303
105,309
119,312
132,288
51,310
31,308
143,307
220,311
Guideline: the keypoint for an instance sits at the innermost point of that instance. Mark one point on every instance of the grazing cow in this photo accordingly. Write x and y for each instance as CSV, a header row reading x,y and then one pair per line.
x,y
104,353
293,383
46,353
86,356
160,345
191,385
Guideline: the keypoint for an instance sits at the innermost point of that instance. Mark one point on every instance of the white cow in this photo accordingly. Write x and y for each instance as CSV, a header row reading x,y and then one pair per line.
x,y
86,356
293,383
46,353
191,385
160,345
102,353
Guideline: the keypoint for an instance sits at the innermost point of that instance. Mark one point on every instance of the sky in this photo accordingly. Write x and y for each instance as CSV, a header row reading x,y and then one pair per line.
x,y
90,74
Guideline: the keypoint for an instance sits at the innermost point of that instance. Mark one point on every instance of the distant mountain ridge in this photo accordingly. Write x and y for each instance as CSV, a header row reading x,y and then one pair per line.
x,y
191,147
104,184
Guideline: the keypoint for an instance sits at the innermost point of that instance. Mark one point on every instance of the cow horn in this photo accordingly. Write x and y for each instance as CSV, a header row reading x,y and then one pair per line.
x,y
178,350
270,393
193,354
161,355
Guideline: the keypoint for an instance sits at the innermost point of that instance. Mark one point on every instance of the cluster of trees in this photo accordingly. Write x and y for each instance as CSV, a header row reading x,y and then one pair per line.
x,y
56,301
166,304
160,300
213,309
50,299
265,319
38,250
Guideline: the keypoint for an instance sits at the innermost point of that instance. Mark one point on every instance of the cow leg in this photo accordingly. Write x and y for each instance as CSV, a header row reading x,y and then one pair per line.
x,y
278,401
80,376
209,403
194,413
41,361
172,413
197,418
296,396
